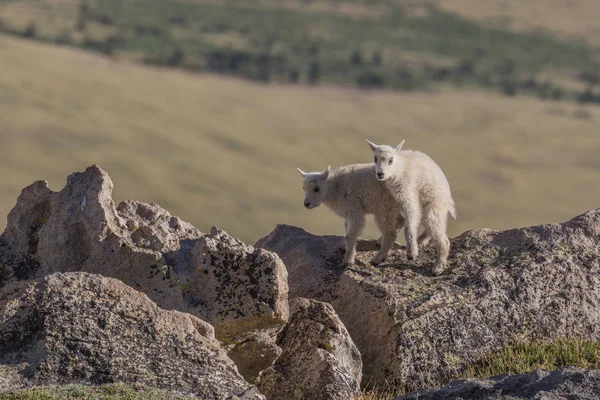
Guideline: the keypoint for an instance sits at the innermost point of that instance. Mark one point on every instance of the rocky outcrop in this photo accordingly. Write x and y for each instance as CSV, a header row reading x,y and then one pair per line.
x,y
567,383
319,360
79,229
241,290
501,287
84,328
413,330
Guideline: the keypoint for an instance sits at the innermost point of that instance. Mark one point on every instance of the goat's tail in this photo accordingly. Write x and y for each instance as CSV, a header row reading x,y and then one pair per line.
x,y
452,209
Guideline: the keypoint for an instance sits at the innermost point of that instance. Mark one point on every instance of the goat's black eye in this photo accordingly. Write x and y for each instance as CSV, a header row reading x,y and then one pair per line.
x,y
391,160
316,189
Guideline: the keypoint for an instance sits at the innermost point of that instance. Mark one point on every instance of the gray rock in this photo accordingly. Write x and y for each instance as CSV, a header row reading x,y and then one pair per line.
x,y
568,383
153,227
255,354
502,287
319,360
234,286
84,328
241,290
79,229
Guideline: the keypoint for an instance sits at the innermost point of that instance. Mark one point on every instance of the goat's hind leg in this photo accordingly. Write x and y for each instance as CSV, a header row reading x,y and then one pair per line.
x,y
437,222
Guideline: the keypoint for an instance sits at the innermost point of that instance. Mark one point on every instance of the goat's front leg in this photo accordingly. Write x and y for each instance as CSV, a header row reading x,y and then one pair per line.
x,y
412,214
355,224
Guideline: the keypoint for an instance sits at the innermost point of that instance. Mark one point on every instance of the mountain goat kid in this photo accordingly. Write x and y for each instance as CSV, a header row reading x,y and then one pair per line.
x,y
351,192
423,193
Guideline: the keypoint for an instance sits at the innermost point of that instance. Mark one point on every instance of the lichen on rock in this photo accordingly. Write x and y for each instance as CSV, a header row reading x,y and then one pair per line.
x,y
501,287
319,359
240,290
84,328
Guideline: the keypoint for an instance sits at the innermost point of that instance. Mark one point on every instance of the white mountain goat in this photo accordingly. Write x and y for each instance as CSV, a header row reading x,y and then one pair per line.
x,y
351,192
423,193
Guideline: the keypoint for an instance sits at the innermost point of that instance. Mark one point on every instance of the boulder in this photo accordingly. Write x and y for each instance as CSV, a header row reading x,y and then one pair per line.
x,y
319,360
501,287
79,229
242,291
566,383
239,289
82,328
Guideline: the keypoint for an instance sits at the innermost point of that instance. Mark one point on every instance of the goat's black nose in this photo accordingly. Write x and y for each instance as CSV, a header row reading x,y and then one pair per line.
x,y
306,203
380,174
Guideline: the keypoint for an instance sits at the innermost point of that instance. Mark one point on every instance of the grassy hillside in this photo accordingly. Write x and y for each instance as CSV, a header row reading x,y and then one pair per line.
x,y
403,45
224,151
573,19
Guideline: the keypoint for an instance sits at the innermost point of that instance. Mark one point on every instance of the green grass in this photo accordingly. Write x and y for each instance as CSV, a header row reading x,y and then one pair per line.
x,y
514,359
284,41
116,391
518,359
526,357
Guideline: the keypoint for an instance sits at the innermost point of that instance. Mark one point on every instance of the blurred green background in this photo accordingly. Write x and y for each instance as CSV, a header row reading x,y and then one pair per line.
x,y
208,107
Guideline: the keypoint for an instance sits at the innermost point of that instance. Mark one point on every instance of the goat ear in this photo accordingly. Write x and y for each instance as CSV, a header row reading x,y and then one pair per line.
x,y
399,147
301,172
372,145
325,173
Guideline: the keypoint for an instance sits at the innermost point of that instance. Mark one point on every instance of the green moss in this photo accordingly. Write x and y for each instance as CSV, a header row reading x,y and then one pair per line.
x,y
4,371
235,331
326,346
297,393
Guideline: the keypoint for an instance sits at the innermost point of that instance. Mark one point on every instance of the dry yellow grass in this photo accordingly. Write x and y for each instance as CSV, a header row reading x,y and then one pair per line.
x,y
51,18
224,151
566,18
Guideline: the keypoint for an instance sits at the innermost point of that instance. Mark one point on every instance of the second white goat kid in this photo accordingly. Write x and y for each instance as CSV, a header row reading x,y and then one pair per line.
x,y
352,192
423,193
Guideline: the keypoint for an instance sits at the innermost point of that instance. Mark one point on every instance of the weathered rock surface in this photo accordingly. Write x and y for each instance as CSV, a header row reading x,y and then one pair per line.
x,y
239,289
562,384
243,292
319,360
153,227
501,287
84,328
79,229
